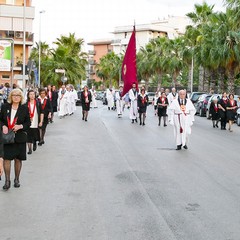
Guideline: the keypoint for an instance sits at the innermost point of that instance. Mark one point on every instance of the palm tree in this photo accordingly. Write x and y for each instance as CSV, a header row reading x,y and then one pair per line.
x,y
68,56
109,69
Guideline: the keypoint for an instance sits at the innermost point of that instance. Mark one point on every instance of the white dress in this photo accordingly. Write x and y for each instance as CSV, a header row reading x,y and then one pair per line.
x,y
133,104
119,103
182,120
62,103
94,101
110,98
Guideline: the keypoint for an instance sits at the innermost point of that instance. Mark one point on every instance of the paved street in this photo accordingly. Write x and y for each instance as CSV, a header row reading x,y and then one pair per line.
x,y
108,179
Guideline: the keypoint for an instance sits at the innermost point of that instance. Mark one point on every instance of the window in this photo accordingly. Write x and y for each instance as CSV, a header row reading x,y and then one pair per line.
x,y
5,77
10,2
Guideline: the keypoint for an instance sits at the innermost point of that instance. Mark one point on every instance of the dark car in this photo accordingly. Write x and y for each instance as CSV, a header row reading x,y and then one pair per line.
x,y
104,99
79,102
195,95
99,95
201,104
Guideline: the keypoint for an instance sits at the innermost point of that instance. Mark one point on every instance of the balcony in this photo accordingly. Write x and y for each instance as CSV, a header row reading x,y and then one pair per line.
x,y
92,62
16,11
17,36
91,52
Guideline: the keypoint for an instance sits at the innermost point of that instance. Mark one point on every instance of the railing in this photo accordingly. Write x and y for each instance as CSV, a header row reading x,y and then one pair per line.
x,y
91,52
17,35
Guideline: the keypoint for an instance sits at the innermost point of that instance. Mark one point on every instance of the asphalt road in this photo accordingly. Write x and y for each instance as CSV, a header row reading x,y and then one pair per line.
x,y
108,179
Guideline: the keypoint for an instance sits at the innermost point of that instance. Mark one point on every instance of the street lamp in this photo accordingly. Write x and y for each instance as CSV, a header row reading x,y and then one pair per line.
x,y
24,44
192,74
39,49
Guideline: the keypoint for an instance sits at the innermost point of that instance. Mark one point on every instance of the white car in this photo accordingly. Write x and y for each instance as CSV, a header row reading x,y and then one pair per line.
x,y
151,96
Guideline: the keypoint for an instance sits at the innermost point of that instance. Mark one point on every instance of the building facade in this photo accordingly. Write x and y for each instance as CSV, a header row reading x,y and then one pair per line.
x,y
12,26
100,49
170,27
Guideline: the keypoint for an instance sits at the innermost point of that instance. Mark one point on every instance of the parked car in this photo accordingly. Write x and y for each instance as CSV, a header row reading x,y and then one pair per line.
x,y
218,96
99,95
151,96
201,104
79,102
238,117
104,99
195,95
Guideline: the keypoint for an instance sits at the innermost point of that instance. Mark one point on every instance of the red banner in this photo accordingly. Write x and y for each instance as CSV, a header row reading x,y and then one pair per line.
x,y
129,65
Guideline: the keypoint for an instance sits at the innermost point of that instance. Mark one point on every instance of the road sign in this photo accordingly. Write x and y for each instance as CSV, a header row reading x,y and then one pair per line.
x,y
60,71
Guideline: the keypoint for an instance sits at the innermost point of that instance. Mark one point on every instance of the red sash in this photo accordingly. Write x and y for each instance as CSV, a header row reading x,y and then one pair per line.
x,y
44,104
11,125
31,113
143,100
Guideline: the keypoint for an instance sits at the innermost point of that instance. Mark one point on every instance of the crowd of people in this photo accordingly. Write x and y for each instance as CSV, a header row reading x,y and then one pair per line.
x,y
24,119
27,116
174,108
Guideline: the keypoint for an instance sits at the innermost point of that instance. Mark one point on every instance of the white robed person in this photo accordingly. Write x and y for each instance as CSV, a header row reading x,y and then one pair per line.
x,y
68,100
74,98
94,100
120,101
110,98
62,102
133,96
181,115
172,95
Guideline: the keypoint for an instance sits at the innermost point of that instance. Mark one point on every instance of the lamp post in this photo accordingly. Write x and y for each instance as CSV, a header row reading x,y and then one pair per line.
x,y
24,44
39,49
192,74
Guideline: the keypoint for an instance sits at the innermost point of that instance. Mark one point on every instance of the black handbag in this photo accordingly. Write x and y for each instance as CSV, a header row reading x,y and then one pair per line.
x,y
8,138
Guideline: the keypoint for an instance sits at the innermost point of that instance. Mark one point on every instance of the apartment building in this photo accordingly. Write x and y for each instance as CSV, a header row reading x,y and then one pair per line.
x,y
12,31
101,47
170,27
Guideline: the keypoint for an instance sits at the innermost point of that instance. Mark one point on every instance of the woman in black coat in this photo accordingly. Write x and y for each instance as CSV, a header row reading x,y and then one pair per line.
x,y
1,154
162,104
46,110
14,116
36,117
222,104
86,98
231,111
214,112
54,102
142,103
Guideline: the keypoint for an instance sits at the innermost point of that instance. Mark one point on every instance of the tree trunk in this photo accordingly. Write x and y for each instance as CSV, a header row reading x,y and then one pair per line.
x,y
201,79
213,80
231,81
174,79
207,80
159,80
189,79
221,77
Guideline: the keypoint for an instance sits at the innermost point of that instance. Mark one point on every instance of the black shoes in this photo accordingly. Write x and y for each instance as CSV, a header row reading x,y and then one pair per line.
x,y
179,147
7,185
34,146
41,143
29,152
143,124
16,183
132,120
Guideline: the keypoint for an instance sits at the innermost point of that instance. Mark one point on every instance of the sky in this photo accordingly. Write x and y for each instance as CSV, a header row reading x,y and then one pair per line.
x,y
96,19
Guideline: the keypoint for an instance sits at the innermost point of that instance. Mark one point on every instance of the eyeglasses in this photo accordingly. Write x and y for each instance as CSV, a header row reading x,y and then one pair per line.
x,y
16,95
